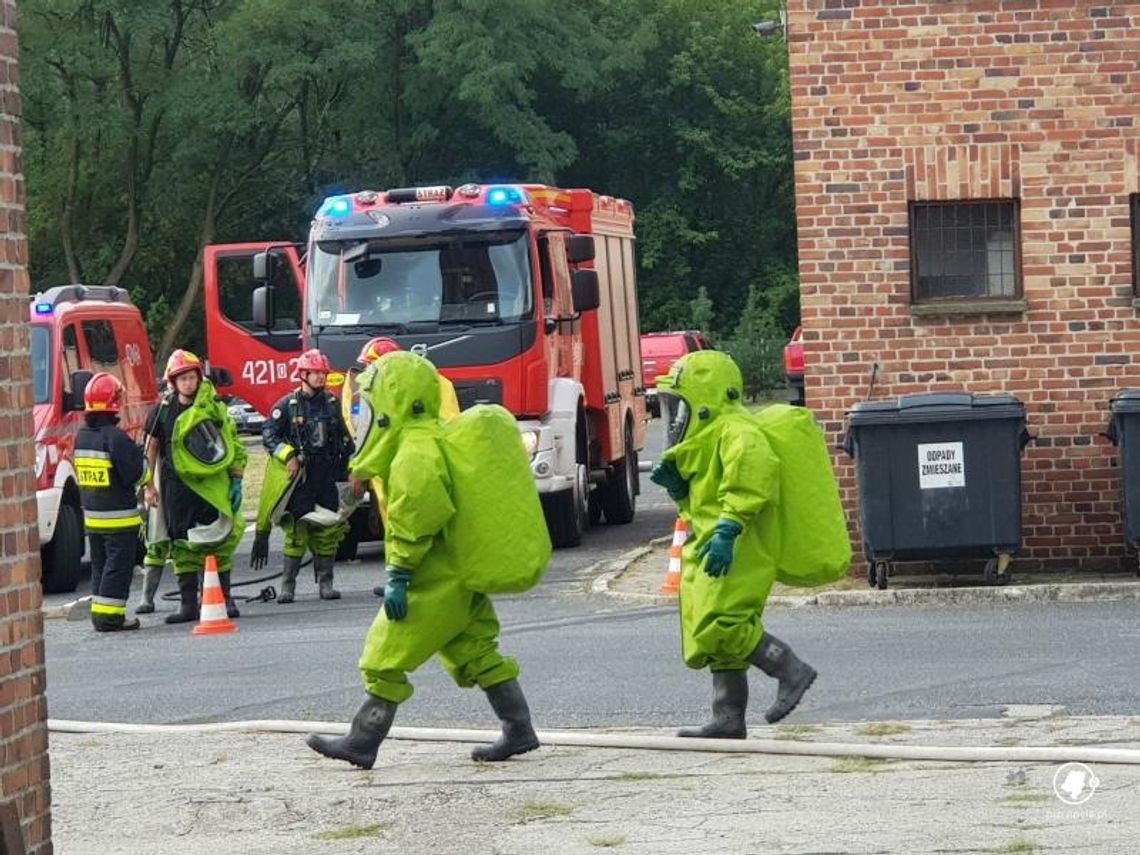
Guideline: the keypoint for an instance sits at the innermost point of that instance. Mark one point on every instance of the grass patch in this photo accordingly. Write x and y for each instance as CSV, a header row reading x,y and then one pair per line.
x,y
796,731
606,842
352,832
883,728
535,811
854,765
639,776
1024,799
1018,846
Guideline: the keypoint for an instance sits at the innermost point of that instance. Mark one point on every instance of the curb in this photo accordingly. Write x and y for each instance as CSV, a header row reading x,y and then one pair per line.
x,y
1071,592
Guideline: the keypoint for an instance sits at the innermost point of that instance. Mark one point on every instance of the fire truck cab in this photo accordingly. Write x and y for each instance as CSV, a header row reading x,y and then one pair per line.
x,y
522,295
76,331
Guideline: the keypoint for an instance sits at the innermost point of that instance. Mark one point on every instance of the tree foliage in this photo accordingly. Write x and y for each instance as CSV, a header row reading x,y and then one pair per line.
x,y
154,127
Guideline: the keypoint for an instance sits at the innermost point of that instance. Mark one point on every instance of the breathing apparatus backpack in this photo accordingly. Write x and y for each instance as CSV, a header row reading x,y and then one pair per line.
x,y
815,546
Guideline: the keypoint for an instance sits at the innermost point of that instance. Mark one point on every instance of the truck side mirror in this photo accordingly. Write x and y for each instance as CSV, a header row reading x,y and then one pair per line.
x,y
585,290
221,377
580,248
79,381
261,267
263,306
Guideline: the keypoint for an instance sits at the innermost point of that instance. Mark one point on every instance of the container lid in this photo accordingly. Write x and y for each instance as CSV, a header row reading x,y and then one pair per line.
x,y
940,407
1127,401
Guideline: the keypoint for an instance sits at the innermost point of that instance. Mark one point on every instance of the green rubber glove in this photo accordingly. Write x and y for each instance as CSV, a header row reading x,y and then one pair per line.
x,y
718,548
235,493
666,474
396,593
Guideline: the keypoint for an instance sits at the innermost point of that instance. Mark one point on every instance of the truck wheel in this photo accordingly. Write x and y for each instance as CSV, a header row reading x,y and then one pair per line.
x,y
61,557
567,512
619,494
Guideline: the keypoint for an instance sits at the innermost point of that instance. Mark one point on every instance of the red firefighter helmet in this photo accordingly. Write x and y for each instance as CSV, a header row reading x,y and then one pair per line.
x,y
313,360
104,394
182,361
376,348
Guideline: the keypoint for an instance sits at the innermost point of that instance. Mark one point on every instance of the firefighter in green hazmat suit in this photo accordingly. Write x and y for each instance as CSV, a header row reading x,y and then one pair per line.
x,y
202,463
720,470
429,606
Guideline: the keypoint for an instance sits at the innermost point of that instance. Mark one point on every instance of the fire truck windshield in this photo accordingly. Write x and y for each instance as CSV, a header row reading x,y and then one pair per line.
x,y
437,281
41,362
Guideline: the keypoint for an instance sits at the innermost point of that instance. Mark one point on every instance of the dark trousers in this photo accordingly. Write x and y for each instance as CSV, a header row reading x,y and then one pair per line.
x,y
112,567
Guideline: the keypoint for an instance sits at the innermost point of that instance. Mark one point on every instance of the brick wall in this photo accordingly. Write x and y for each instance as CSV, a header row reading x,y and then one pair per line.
x,y
23,733
1038,100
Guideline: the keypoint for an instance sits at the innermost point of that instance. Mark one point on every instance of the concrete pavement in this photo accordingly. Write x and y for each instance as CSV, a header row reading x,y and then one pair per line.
x,y
269,794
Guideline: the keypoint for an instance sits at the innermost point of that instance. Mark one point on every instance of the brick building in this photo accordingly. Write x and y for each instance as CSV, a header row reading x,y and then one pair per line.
x,y
968,205
25,823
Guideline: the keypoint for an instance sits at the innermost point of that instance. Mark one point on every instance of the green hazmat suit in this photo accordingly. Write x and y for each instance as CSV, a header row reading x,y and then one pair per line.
x,y
733,474
450,542
206,451
323,529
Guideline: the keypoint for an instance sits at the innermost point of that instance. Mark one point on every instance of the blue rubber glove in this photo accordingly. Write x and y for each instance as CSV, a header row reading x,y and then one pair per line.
x,y
396,593
666,474
235,493
718,548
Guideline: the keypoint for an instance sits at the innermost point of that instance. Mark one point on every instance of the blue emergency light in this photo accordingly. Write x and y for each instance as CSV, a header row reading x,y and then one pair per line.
x,y
336,206
43,308
505,196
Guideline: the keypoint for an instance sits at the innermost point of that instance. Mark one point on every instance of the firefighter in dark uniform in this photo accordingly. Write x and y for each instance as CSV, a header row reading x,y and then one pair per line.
x,y
307,434
193,443
111,469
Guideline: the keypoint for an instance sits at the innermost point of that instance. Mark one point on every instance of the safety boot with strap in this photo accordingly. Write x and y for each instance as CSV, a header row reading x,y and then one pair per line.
x,y
188,594
518,736
324,569
289,579
776,659
730,700
369,727
152,577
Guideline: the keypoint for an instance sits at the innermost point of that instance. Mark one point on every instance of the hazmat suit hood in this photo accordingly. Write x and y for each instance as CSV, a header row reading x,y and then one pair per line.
x,y
398,391
700,386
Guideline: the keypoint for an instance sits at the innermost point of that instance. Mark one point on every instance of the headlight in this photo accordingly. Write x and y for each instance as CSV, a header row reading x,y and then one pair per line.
x,y
41,458
530,442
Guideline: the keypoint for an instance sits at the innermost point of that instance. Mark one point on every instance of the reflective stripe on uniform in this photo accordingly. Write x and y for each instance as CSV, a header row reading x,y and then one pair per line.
x,y
283,451
104,520
93,468
108,606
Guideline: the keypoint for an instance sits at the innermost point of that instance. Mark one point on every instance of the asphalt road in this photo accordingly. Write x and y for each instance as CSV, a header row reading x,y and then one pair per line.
x,y
589,660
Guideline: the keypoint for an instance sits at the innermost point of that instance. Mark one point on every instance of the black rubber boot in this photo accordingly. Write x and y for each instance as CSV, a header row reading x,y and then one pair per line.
x,y
289,580
231,607
518,735
152,576
730,700
379,591
188,592
369,727
323,564
107,623
776,659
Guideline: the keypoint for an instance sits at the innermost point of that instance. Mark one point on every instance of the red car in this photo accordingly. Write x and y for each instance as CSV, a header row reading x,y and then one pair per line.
x,y
659,351
794,364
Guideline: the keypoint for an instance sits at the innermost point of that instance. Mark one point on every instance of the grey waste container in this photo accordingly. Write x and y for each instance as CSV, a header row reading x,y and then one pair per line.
x,y
939,477
1124,431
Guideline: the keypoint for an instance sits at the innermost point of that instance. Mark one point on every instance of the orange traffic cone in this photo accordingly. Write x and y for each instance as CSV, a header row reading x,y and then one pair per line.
x,y
213,620
673,580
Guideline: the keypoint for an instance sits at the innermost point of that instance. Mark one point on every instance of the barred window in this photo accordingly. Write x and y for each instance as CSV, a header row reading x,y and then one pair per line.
x,y
965,250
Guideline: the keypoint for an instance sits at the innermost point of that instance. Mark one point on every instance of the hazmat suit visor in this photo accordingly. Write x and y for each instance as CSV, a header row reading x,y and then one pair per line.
x,y
205,443
362,420
677,413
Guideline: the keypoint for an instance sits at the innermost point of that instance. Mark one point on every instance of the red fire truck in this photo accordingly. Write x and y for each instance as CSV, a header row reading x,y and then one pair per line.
x,y
522,295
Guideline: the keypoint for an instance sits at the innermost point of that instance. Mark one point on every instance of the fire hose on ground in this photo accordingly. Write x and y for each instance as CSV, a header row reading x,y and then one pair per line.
x,y
588,739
